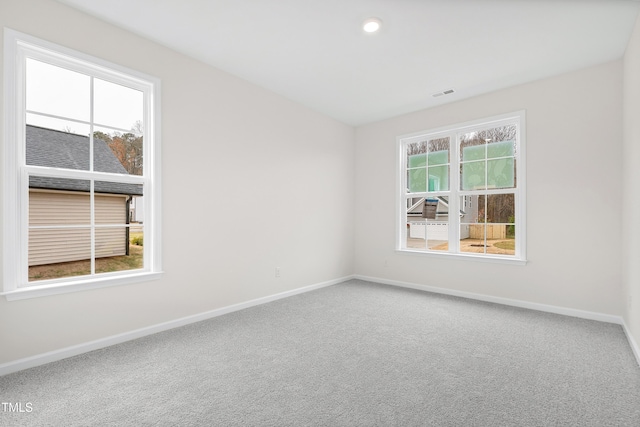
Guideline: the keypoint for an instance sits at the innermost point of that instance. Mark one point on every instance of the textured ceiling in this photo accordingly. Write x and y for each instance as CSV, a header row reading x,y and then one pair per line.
x,y
315,53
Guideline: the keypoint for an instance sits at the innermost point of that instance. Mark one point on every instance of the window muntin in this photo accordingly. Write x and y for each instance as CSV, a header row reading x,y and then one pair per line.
x,y
428,165
428,224
79,128
487,158
476,168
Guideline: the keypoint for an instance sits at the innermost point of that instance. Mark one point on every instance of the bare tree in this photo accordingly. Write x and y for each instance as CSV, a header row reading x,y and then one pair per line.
x,y
138,128
433,145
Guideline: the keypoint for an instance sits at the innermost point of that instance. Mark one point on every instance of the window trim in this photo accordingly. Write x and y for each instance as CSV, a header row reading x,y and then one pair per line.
x,y
454,131
15,204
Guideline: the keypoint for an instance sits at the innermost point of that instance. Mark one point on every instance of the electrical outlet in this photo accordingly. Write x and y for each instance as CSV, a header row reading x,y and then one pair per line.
x,y
277,271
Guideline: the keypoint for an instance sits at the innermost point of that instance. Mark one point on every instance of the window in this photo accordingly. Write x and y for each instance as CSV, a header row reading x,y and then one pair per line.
x,y
81,171
462,190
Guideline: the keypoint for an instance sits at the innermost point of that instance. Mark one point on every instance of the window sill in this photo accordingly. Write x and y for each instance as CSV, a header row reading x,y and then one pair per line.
x,y
35,291
479,258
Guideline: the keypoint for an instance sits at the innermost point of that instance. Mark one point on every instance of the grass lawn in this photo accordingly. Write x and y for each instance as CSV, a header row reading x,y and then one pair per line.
x,y
81,268
506,244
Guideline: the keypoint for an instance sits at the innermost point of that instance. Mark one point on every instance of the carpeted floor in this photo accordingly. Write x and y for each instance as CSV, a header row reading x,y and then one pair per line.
x,y
353,354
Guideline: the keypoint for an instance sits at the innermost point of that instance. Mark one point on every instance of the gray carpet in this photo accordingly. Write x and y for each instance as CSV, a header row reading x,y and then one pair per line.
x,y
354,354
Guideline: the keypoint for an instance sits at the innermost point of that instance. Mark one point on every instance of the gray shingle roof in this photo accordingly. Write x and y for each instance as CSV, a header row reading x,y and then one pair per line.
x,y
52,148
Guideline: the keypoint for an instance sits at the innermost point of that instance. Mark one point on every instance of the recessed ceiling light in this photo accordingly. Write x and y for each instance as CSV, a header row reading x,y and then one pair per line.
x,y
371,25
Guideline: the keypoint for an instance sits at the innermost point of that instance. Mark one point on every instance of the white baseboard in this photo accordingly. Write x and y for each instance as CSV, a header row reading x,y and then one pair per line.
x,y
52,356
608,318
632,342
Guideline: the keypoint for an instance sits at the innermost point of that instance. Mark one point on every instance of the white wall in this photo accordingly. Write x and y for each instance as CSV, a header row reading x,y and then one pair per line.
x,y
631,195
251,181
574,160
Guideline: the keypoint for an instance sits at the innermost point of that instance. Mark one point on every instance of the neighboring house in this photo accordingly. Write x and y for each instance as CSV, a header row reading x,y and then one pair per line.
x,y
434,223
57,201
136,210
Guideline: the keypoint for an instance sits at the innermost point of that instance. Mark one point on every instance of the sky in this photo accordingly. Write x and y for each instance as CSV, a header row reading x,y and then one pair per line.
x,y
63,93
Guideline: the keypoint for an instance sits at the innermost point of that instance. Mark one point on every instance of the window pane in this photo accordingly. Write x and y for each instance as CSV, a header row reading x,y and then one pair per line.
x,y
501,173
111,241
428,223
117,106
115,250
439,153
500,241
498,134
52,148
417,180
481,216
472,238
505,245
472,227
416,160
501,208
136,234
114,202
61,248
488,224
136,210
416,234
438,161
470,209
439,178
57,91
67,126
498,141
416,225
471,147
59,252
500,149
436,212
438,158
110,209
58,206
473,176
431,235
484,238
115,152
433,154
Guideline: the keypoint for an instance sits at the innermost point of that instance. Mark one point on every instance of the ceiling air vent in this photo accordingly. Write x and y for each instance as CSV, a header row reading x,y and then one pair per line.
x,y
444,92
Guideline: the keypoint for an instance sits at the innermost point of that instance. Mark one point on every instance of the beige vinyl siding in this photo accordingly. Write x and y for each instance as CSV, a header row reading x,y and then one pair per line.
x,y
58,208
50,246
55,208
111,241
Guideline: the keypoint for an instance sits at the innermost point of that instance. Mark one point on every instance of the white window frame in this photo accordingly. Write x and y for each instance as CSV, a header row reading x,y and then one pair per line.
x,y
454,193
18,47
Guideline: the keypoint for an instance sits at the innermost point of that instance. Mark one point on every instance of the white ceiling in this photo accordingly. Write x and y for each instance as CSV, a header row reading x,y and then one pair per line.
x,y
315,53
